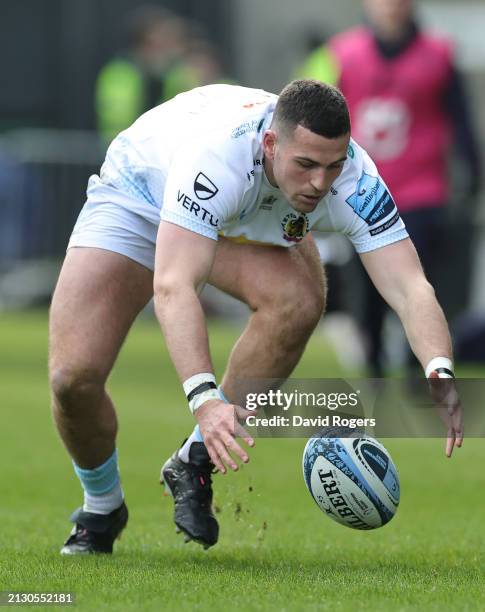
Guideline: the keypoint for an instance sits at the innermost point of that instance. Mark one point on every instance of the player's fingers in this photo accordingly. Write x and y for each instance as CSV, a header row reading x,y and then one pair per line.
x,y
242,413
240,432
458,427
459,437
214,455
225,456
233,446
450,442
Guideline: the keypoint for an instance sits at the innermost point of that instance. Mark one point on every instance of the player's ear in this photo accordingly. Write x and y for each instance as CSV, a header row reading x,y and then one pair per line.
x,y
269,142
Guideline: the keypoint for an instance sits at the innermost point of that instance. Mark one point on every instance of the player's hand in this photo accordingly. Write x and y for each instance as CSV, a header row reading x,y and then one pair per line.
x,y
218,422
445,396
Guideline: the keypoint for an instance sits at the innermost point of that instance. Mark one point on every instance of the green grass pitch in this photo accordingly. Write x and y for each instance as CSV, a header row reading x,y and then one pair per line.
x,y
276,552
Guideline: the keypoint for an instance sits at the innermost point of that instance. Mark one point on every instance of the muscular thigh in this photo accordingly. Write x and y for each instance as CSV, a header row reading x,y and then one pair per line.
x,y
256,274
98,296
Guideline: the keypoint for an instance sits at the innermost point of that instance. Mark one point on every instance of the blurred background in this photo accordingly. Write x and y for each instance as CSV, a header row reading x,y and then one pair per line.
x,y
74,74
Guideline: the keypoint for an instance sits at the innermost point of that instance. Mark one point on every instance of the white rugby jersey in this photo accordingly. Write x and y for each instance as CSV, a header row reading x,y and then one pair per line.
x,y
197,161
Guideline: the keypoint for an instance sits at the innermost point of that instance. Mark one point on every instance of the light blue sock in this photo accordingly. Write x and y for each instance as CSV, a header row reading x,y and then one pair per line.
x,y
197,435
101,479
102,488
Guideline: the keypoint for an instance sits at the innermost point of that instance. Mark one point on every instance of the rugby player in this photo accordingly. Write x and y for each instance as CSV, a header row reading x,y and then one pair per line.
x,y
220,185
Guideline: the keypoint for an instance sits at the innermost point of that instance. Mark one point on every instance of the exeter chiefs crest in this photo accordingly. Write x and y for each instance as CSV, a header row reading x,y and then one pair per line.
x,y
294,227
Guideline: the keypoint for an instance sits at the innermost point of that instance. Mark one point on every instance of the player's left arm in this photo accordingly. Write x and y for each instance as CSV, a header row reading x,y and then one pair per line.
x,y
397,274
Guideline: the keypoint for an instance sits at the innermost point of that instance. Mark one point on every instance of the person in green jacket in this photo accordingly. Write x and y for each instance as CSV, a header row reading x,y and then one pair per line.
x,y
135,81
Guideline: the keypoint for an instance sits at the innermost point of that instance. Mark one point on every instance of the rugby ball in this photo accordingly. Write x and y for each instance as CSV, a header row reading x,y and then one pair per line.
x,y
352,479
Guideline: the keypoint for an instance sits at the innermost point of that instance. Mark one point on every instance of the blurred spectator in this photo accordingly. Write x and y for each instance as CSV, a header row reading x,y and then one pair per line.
x,y
135,81
406,97
165,56
201,65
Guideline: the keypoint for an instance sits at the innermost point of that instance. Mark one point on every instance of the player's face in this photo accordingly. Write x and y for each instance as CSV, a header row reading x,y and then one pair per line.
x,y
304,165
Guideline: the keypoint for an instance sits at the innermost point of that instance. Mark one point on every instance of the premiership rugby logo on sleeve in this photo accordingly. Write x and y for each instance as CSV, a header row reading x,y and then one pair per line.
x,y
372,200
204,188
385,226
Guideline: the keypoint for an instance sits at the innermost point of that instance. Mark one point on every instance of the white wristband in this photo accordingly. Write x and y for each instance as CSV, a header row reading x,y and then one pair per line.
x,y
201,398
438,363
206,394
197,379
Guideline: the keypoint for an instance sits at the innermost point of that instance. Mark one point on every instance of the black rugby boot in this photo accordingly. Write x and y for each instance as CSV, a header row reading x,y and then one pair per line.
x,y
190,485
95,533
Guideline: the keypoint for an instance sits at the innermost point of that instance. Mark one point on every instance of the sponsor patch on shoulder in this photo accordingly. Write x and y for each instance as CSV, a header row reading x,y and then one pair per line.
x,y
372,200
385,226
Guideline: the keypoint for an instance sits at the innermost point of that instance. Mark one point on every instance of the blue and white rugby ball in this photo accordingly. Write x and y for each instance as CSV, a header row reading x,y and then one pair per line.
x,y
352,479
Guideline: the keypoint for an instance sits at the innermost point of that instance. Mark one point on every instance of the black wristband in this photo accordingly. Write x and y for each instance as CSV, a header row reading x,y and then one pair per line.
x,y
445,371
202,387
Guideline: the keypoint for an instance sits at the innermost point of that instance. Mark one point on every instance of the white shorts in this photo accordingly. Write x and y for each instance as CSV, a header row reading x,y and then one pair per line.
x,y
112,221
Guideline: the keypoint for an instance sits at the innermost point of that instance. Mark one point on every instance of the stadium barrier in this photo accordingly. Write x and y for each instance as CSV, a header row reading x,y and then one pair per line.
x,y
43,178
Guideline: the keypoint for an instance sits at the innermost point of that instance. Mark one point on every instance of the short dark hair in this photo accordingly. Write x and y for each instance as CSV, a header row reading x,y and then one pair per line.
x,y
314,105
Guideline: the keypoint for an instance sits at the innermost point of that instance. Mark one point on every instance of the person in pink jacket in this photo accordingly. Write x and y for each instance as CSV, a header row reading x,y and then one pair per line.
x,y
407,103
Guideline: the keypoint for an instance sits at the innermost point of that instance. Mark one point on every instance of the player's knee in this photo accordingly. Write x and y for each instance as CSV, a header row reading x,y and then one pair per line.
x,y
299,310
307,308
71,387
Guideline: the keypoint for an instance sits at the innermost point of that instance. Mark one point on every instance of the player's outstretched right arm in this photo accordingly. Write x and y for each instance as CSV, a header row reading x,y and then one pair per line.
x,y
183,263
397,274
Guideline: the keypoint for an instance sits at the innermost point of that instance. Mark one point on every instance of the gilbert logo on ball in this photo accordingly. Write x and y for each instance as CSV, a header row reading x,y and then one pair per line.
x,y
352,479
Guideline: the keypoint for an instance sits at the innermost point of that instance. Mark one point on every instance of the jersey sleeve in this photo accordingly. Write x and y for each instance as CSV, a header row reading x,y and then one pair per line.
x,y
362,206
202,190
